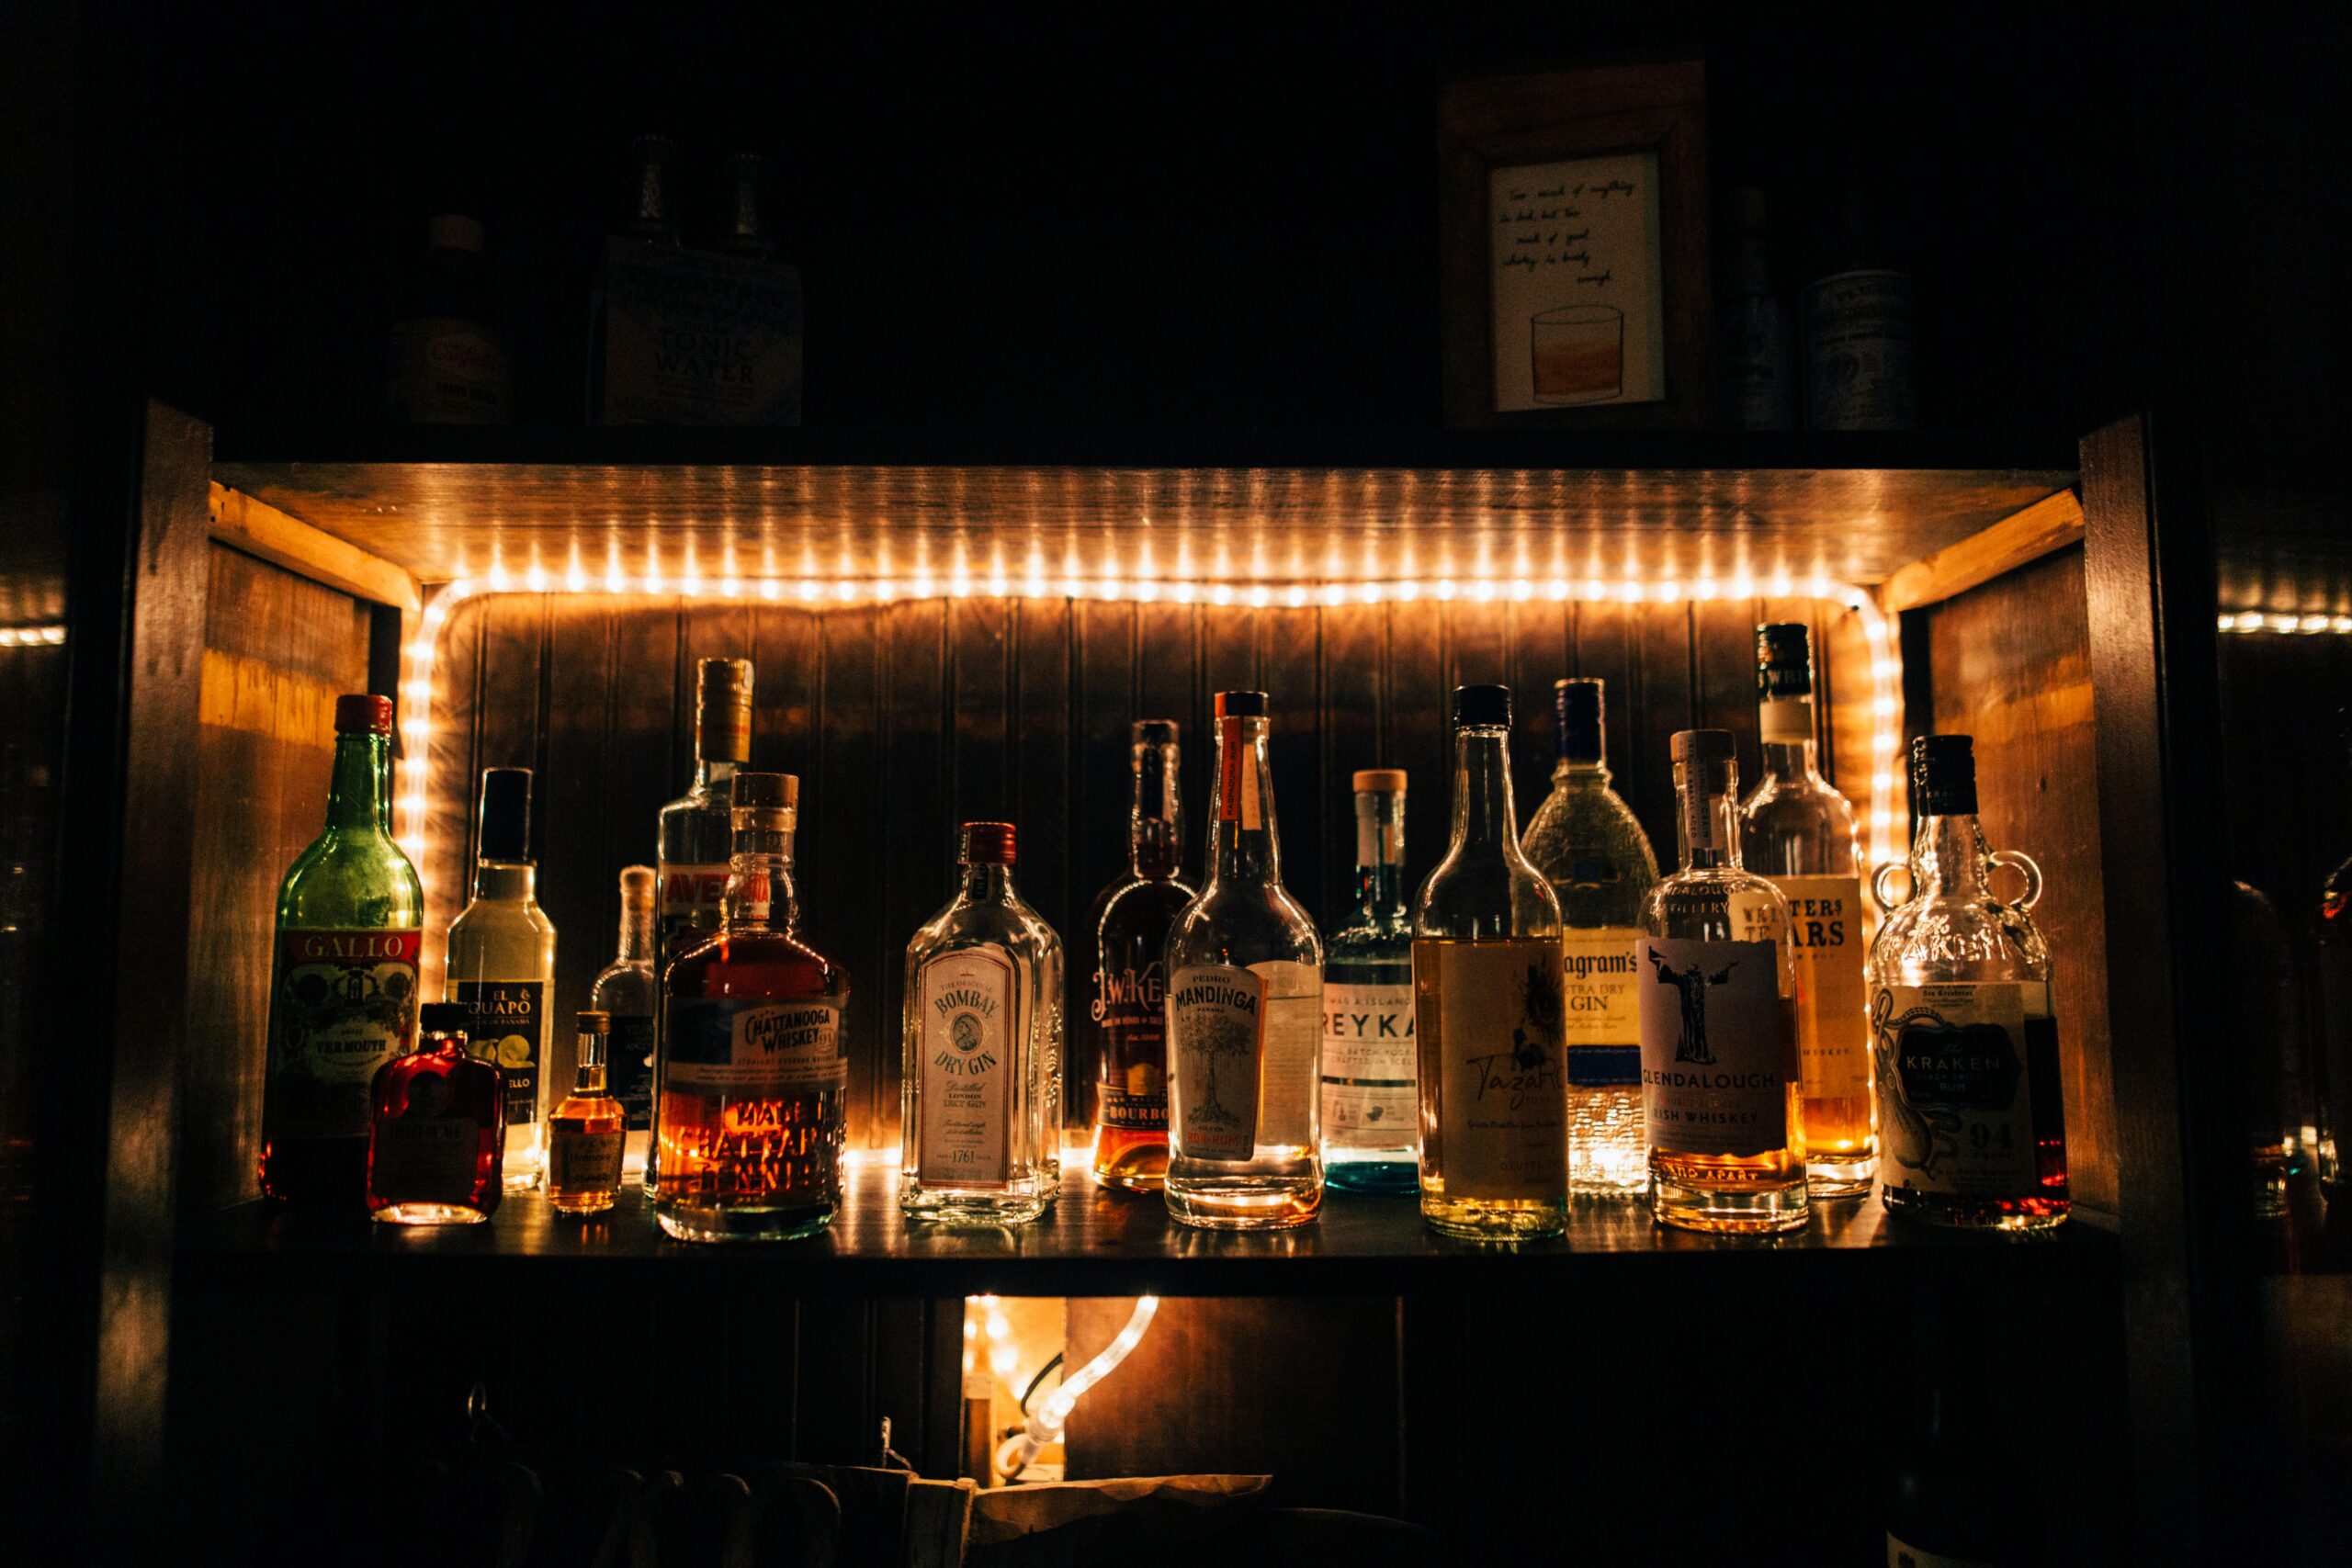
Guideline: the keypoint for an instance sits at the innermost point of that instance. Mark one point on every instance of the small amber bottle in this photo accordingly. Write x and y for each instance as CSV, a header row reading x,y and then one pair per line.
x,y
585,1133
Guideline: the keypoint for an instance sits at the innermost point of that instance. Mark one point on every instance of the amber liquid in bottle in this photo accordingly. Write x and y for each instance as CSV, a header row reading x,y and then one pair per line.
x,y
586,1131
1125,1017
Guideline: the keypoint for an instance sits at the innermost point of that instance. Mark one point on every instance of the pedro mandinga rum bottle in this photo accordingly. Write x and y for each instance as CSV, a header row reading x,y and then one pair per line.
x,y
1126,1020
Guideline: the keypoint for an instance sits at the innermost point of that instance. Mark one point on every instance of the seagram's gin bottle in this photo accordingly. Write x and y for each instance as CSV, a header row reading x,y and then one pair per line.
x,y
502,969
1126,1020
1585,843
1371,1111
1245,988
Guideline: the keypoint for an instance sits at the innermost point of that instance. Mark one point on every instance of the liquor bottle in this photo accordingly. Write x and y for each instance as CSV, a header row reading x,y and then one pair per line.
x,y
1952,1498
1487,994
627,993
1371,1108
437,1130
452,358
1798,832
343,990
502,968
633,272
1972,1122
1585,843
764,386
753,1071
1723,1092
1760,383
1858,329
982,1027
1245,988
1126,1020
586,1130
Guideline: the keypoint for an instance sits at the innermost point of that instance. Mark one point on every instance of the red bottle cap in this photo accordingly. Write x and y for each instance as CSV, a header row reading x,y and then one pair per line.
x,y
363,713
987,843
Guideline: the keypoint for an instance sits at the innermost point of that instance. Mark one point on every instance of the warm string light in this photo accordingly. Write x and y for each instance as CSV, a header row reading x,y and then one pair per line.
x,y
51,636
2306,624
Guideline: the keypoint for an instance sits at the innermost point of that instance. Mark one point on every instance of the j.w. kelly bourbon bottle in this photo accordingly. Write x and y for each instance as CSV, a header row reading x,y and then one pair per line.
x,y
1126,1027
344,992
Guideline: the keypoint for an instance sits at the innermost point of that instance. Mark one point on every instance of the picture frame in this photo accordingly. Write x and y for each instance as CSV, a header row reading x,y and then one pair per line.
x,y
1561,310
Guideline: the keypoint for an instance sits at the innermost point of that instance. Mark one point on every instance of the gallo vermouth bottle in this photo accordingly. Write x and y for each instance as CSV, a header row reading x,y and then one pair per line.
x,y
502,969
343,990
1127,1022
1371,1111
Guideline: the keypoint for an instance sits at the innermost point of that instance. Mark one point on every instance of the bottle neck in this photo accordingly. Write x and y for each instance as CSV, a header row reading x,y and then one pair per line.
x,y
760,893
1949,859
1482,806
1380,853
636,935
1706,818
1241,804
502,881
1581,773
590,1079
989,883
712,773
1155,824
358,791
1790,760
1785,725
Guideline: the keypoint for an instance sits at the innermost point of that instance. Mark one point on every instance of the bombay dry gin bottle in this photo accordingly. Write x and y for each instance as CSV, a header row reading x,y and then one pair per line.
x,y
1971,1125
342,988
982,1027
753,1068
586,1130
502,968
625,992
1486,996
1797,830
1126,1023
1245,989
1722,1087
1371,1110
437,1130
1585,840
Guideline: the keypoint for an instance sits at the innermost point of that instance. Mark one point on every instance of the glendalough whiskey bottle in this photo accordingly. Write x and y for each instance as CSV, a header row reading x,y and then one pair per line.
x,y
437,1130
502,968
343,995
753,1067
1971,1125
1486,990
1371,1111
1126,1020
1245,988
627,993
585,1132
1585,843
1797,831
1722,1090
982,1026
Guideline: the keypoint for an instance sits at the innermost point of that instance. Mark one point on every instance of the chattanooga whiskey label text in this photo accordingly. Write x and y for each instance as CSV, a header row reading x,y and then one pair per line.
x,y
749,1048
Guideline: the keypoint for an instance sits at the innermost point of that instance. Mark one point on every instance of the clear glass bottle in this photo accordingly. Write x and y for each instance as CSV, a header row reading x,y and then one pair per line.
x,y
1585,840
981,1027
502,968
754,1074
343,992
1723,1092
1127,1020
1797,831
1371,1108
1486,993
1245,989
437,1130
628,993
1970,1110
586,1131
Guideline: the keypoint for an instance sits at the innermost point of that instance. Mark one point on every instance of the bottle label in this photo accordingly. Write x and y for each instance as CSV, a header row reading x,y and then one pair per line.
x,y
424,1157
1369,1095
1242,1047
449,370
343,1003
584,1162
1825,929
1955,1112
968,1038
1602,1025
1502,1109
1901,1553
1131,1043
692,338
630,1073
693,897
1716,1053
748,1049
502,1027
1237,795
1858,352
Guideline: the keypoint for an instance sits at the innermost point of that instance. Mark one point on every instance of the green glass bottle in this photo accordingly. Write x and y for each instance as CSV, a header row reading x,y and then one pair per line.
x,y
344,992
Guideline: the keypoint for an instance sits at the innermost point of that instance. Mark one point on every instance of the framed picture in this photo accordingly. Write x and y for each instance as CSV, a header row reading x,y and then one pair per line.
x,y
1574,225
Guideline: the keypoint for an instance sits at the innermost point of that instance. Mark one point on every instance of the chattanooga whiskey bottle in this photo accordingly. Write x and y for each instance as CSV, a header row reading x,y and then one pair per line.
x,y
753,1068
1126,1022
1971,1125
1798,832
343,990
502,969
1371,1111
1245,989
1486,989
1722,1089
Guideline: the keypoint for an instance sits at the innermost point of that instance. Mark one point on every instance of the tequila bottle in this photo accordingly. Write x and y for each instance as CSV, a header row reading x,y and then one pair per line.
x,y
437,1129
1585,843
1722,1089
1486,991
1798,832
627,992
1127,1020
982,1028
1371,1110
502,968
1973,1129
1245,986
586,1131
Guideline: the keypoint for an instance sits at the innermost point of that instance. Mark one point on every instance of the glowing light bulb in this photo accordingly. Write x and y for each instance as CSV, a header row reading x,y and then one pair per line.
x,y
770,587
575,580
1447,588
1407,591
1259,597
1222,593
730,586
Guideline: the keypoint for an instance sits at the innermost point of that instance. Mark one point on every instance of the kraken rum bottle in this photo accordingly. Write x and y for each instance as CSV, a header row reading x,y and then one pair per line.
x,y
1971,1124
1487,994
1797,831
342,988
502,969
1127,1022
1722,1089
1245,994
1371,1112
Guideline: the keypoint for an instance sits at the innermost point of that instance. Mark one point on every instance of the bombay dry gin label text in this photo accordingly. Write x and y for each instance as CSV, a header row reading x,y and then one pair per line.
x,y
1955,1107
503,1029
1825,929
745,1050
1502,1107
1601,1020
1368,1072
1715,1052
1130,1006
1217,1019
967,1018
344,1004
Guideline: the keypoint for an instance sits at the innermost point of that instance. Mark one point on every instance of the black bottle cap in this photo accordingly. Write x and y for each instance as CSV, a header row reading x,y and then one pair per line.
x,y
445,1018
505,814
1153,731
1944,775
1703,746
1241,704
1783,660
1484,707
1578,703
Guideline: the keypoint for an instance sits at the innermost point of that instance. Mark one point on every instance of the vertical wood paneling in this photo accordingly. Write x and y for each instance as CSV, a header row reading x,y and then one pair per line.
x,y
1723,670
1168,685
843,821
914,806
1539,654
1041,805
1413,727
1290,665
1663,702
576,805
1107,656
1352,646
1604,648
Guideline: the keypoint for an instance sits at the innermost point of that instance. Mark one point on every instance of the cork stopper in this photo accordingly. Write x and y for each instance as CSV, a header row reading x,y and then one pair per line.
x,y
1378,781
638,884
723,710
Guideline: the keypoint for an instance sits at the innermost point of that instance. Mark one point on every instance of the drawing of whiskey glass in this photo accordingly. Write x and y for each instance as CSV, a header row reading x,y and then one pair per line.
x,y
1577,354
